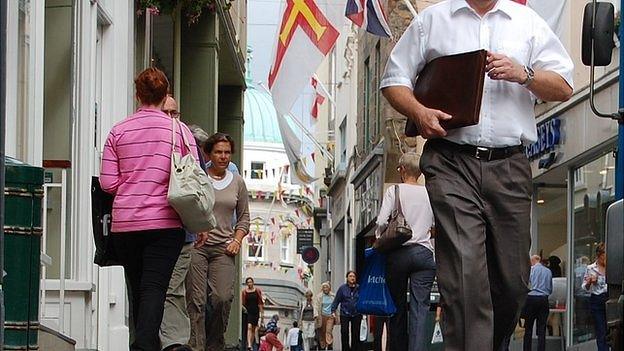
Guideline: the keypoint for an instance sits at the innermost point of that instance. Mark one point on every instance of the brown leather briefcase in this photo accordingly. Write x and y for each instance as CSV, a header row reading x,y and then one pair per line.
x,y
452,84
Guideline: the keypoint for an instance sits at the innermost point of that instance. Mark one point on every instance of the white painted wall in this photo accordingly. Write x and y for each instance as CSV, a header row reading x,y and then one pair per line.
x,y
95,300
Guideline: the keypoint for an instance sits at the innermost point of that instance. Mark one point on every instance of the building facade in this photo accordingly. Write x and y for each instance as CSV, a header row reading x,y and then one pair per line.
x,y
75,62
573,166
278,208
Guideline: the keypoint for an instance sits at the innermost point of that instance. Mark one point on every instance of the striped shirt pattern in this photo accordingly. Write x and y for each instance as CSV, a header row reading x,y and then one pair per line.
x,y
136,164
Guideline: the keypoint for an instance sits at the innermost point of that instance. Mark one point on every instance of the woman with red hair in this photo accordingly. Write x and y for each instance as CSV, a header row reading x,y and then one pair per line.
x,y
147,233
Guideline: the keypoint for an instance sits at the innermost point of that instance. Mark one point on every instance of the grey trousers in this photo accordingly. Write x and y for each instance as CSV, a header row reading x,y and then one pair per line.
x,y
482,210
414,263
210,266
175,327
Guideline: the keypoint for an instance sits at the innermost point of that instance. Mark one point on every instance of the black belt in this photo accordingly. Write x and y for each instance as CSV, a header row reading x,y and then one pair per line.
x,y
484,153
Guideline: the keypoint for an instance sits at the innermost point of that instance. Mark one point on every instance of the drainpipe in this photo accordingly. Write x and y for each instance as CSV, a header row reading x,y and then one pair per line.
x,y
3,33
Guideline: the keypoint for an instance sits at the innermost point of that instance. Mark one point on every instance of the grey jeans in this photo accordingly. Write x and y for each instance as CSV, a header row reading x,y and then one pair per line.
x,y
416,264
210,267
175,327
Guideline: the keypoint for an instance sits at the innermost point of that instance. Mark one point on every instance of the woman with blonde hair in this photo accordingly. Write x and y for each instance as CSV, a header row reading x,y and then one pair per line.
x,y
411,262
325,320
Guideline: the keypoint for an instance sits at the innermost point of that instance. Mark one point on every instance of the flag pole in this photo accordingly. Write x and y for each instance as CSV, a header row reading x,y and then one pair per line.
x,y
305,130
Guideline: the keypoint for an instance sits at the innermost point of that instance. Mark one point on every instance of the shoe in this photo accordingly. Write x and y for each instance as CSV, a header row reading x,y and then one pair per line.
x,y
178,347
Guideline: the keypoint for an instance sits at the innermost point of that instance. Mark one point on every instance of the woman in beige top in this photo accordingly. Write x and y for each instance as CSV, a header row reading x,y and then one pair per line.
x,y
212,265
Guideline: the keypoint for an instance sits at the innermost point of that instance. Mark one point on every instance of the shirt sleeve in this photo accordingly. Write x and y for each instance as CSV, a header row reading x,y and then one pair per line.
x,y
548,53
110,176
242,208
387,205
407,58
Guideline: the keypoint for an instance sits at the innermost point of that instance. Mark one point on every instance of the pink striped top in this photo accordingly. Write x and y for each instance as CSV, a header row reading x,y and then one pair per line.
x,y
135,168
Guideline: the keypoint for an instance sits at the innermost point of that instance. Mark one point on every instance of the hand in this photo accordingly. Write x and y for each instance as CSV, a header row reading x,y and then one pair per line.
x,y
233,248
428,122
201,239
501,67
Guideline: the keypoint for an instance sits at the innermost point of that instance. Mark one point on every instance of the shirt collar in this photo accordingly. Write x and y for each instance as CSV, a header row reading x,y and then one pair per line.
x,y
502,6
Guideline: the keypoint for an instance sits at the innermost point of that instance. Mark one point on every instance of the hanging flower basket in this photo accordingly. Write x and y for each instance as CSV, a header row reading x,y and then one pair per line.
x,y
191,9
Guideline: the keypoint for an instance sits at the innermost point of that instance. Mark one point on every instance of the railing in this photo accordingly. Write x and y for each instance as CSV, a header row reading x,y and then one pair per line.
x,y
46,260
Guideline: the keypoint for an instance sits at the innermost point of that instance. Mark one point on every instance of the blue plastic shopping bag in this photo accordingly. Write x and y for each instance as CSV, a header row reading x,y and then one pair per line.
x,y
374,296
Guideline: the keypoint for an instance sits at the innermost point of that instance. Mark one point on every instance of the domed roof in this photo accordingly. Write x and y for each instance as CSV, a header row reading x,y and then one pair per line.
x,y
260,116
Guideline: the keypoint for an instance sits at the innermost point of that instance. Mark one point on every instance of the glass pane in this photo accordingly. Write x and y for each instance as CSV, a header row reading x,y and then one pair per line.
x,y
594,191
53,233
163,45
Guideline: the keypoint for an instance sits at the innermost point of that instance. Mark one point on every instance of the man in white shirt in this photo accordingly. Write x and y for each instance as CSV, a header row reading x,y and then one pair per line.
x,y
478,178
292,339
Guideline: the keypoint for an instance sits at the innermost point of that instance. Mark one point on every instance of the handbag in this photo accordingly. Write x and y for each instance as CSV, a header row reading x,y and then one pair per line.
x,y
101,209
374,295
190,191
363,329
397,232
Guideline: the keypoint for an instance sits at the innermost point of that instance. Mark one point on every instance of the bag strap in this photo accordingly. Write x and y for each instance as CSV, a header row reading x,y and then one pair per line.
x,y
174,122
397,200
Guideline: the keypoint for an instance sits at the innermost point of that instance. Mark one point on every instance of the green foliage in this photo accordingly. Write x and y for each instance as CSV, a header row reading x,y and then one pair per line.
x,y
191,9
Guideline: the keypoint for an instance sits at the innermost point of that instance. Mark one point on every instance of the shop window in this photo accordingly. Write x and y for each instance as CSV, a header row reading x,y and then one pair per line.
x,y
590,205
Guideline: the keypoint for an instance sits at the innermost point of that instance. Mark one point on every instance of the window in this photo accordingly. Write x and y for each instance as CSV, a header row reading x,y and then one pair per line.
x,y
366,124
375,88
257,170
590,205
579,178
255,245
285,248
343,143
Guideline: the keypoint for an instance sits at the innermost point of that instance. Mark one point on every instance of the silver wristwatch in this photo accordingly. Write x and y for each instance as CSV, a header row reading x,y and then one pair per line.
x,y
530,76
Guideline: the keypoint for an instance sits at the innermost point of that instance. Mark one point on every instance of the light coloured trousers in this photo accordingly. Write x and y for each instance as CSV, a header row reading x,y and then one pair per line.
x,y
210,267
175,327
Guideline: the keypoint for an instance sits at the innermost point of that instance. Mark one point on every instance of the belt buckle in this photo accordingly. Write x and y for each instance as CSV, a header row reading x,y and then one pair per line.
x,y
478,153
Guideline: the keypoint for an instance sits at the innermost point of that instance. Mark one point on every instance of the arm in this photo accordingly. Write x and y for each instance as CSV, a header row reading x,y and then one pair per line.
x,y
260,302
549,283
110,176
387,205
552,65
337,300
405,63
587,282
242,221
546,85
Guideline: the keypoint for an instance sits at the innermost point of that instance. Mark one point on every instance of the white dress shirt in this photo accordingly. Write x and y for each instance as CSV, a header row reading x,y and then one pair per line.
x,y
451,27
416,210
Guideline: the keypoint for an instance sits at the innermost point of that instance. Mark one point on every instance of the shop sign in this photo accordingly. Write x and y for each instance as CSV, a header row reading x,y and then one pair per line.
x,y
548,136
304,239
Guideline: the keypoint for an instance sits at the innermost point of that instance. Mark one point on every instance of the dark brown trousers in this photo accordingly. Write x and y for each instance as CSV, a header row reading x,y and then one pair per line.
x,y
482,210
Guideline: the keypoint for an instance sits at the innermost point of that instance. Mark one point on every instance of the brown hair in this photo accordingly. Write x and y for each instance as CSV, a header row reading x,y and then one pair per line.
x,y
151,86
600,249
218,138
